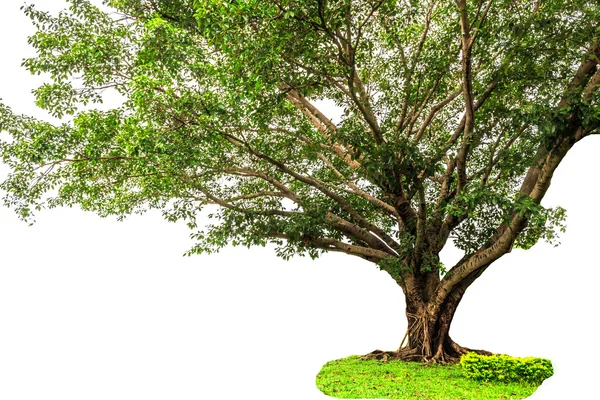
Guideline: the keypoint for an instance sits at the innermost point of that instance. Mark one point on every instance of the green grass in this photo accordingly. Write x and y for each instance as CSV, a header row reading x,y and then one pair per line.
x,y
353,378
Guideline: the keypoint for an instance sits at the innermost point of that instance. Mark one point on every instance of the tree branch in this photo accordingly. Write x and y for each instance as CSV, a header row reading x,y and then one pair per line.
x,y
535,185
362,222
337,245
461,161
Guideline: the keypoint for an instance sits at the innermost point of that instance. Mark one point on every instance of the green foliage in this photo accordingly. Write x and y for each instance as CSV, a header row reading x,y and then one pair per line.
x,y
543,223
502,368
214,115
487,208
364,379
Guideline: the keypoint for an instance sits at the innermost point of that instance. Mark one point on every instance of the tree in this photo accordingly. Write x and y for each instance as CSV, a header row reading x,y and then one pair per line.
x,y
454,117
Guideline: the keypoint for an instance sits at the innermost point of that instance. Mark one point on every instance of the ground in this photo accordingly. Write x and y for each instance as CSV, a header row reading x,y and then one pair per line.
x,y
356,378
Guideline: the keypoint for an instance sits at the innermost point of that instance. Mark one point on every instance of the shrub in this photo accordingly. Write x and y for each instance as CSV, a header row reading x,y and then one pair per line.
x,y
505,368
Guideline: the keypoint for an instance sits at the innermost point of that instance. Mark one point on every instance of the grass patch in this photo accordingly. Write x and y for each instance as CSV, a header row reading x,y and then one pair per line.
x,y
353,378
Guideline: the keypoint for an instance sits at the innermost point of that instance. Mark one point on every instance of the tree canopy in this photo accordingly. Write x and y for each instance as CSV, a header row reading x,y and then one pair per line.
x,y
378,128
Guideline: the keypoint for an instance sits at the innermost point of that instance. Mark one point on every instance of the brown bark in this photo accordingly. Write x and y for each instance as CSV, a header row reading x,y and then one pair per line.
x,y
427,338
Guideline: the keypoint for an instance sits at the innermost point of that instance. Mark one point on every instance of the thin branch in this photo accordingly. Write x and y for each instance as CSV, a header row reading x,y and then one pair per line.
x,y
434,110
249,196
358,191
461,162
407,87
362,222
337,245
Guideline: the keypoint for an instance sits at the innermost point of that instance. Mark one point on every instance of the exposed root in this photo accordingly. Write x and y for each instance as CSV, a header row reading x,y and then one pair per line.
x,y
460,350
450,353
412,355
402,354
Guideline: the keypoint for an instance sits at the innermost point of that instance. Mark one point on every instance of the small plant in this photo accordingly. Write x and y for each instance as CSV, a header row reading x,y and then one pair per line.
x,y
504,368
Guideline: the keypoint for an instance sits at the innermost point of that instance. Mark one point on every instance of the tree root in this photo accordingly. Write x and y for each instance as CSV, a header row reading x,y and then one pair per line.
x,y
460,350
402,354
450,353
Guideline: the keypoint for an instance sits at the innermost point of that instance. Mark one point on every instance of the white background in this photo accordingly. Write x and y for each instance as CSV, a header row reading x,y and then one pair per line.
x,y
93,308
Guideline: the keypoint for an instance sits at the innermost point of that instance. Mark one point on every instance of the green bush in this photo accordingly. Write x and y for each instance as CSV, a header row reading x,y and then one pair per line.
x,y
505,368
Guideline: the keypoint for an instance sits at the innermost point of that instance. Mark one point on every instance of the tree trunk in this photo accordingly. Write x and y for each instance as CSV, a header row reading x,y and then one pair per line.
x,y
427,337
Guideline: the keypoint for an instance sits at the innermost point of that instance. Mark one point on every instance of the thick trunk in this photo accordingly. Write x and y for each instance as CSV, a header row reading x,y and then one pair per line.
x,y
427,337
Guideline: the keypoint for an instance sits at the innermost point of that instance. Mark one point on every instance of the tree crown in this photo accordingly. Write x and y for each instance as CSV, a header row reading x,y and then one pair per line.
x,y
379,128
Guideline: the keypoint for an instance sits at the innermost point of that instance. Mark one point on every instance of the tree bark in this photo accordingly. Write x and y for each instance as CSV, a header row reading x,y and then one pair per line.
x,y
427,338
